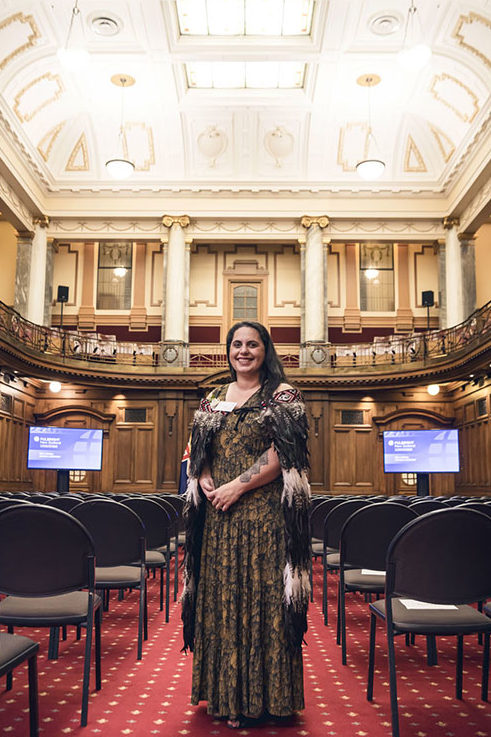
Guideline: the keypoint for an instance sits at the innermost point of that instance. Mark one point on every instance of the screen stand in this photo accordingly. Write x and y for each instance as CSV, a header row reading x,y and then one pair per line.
x,y
63,481
422,484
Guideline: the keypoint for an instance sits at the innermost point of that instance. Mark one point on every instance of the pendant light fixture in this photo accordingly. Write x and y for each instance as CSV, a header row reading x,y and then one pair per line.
x,y
73,54
415,53
370,167
121,167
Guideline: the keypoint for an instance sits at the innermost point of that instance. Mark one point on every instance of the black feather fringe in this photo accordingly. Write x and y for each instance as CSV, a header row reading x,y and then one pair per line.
x,y
194,517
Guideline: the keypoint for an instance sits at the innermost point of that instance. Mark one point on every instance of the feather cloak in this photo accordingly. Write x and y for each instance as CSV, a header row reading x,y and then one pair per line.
x,y
286,424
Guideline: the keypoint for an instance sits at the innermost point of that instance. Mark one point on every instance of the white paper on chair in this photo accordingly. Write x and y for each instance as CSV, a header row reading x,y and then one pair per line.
x,y
415,604
370,572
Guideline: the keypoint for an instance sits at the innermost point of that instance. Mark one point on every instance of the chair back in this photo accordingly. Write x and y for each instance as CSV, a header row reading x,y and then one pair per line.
x,y
177,501
4,503
64,502
319,513
118,532
442,557
155,518
477,506
333,523
428,505
368,532
44,551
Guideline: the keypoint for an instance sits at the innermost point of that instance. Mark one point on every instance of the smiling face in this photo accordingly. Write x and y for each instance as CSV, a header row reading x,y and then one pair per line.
x,y
247,353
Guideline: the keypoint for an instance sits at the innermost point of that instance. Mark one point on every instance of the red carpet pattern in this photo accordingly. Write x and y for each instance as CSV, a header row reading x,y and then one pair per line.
x,y
151,696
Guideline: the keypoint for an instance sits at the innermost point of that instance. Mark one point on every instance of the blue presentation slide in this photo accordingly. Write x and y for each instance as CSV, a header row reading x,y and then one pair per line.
x,y
64,448
421,451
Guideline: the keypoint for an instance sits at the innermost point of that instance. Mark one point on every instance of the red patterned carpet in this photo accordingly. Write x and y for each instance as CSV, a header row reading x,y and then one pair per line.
x,y
151,697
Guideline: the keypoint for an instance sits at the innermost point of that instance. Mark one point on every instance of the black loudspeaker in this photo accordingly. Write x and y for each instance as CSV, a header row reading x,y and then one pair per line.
x,y
62,295
428,299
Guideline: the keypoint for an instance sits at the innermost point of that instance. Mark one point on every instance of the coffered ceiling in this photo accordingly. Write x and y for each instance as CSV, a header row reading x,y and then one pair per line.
x,y
243,103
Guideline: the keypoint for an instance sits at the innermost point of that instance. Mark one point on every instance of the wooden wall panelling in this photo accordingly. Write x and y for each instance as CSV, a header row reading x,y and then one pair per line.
x,y
123,456
171,441
144,453
318,417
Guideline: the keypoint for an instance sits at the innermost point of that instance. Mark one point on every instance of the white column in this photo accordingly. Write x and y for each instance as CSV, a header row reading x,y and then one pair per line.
x,y
453,275
175,289
35,307
315,281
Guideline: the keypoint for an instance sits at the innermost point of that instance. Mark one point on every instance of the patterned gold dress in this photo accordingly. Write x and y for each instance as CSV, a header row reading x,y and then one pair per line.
x,y
242,665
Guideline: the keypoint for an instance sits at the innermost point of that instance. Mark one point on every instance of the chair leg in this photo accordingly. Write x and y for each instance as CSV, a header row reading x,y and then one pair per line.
x,y
161,590
371,657
338,620
145,613
98,619
167,586
392,682
86,678
311,576
342,618
176,565
431,651
54,640
324,588
140,620
33,697
9,680
459,666
485,668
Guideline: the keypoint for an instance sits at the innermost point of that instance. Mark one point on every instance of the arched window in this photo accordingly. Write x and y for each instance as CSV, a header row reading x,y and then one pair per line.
x,y
245,302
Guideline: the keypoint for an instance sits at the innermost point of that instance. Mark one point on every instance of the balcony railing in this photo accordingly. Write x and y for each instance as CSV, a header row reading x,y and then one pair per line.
x,y
388,351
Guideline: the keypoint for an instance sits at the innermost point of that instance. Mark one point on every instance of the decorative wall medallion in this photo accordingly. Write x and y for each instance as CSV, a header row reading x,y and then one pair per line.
x,y
47,88
17,33
212,142
279,144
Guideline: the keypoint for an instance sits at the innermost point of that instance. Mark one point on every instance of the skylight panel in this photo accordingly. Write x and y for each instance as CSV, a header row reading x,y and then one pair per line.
x,y
245,17
242,75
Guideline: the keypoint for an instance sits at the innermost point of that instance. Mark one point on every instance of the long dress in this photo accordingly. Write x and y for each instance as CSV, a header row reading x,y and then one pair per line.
x,y
242,664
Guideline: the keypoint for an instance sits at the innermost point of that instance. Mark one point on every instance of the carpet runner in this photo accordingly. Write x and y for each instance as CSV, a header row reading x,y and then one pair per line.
x,y
151,696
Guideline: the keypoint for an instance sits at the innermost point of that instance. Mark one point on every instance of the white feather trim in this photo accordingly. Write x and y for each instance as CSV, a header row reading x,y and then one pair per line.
x,y
293,484
192,493
297,585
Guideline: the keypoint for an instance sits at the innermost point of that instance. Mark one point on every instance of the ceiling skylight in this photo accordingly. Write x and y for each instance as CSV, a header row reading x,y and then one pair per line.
x,y
245,17
249,74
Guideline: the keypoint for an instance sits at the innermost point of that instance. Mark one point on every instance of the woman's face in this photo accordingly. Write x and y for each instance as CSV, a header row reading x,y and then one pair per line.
x,y
247,352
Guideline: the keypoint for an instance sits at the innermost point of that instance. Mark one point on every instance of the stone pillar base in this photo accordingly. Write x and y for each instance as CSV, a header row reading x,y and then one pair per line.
x,y
138,318
86,318
314,355
174,354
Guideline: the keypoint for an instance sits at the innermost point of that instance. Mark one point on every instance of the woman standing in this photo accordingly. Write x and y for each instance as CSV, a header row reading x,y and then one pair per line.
x,y
247,547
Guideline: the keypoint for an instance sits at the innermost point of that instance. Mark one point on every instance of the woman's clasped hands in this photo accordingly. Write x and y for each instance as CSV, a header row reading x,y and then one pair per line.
x,y
223,497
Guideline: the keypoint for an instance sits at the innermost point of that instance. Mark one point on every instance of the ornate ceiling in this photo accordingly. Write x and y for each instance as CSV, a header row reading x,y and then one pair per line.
x,y
192,124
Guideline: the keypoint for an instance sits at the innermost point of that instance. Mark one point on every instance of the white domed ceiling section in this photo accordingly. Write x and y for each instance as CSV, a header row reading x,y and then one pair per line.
x,y
245,94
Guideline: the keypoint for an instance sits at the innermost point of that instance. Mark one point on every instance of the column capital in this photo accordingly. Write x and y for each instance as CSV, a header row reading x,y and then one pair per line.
x,y
170,220
450,222
321,220
42,221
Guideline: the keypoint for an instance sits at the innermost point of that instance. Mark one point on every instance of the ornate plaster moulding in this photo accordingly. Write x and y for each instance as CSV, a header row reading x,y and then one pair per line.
x,y
15,204
475,206
242,229
30,159
464,154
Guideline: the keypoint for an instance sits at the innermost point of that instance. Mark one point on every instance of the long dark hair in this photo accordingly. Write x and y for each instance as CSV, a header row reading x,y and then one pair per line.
x,y
271,372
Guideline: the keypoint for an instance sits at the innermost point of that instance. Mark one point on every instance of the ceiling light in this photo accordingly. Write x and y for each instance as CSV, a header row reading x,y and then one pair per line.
x,y
74,54
119,271
54,386
415,54
120,167
371,273
433,389
370,167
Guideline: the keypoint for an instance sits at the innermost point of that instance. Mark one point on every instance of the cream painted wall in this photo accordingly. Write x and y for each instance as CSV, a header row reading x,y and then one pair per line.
x,y
8,251
483,265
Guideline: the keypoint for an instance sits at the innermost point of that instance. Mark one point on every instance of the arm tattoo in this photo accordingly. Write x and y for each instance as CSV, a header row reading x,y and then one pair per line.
x,y
255,468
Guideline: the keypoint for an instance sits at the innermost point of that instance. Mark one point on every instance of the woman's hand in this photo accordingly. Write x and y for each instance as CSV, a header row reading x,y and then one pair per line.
x,y
206,482
226,495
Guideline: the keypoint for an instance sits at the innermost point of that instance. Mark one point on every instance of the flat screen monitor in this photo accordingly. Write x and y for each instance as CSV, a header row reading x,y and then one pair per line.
x,y
421,451
64,448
